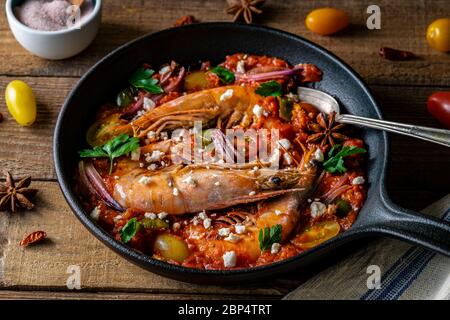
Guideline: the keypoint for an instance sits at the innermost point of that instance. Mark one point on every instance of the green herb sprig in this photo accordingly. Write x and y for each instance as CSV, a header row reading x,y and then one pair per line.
x,y
225,75
142,79
269,236
269,88
335,162
114,148
130,229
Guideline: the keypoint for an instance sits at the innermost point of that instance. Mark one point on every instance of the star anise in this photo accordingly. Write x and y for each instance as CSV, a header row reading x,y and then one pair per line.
x,y
246,8
326,130
16,194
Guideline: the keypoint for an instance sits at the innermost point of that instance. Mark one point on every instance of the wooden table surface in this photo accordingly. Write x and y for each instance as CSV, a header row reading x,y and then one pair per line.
x,y
419,172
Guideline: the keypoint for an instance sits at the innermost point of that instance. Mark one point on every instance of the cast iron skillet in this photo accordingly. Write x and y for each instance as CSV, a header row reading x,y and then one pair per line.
x,y
213,41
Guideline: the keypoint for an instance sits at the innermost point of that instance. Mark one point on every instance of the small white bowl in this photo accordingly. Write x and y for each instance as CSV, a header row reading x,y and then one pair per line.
x,y
55,45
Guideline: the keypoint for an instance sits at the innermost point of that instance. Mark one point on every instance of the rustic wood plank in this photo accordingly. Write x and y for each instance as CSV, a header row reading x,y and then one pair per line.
x,y
417,172
403,26
76,295
44,266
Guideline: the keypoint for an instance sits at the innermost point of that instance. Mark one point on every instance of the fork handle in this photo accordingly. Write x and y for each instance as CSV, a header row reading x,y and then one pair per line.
x,y
439,136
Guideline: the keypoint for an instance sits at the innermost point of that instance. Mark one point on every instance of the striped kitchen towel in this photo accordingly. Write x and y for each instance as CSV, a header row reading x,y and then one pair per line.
x,y
385,270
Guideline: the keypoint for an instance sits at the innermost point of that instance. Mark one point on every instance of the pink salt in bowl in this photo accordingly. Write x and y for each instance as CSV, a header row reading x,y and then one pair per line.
x,y
55,45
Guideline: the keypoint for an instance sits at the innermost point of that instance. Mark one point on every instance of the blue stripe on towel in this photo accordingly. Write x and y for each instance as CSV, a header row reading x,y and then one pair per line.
x,y
402,273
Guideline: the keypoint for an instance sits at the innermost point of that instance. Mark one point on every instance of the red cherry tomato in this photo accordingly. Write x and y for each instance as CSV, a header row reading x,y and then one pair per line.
x,y
439,107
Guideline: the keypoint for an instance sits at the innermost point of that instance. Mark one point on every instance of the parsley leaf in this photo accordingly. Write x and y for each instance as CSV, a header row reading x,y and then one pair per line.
x,y
142,79
129,230
114,148
335,162
225,75
270,88
269,236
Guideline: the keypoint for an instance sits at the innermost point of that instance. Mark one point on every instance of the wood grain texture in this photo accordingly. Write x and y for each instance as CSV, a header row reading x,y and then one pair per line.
x,y
403,26
43,266
77,295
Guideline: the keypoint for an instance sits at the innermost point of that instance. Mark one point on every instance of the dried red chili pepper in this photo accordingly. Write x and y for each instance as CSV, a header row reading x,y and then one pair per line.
x,y
395,55
185,20
33,237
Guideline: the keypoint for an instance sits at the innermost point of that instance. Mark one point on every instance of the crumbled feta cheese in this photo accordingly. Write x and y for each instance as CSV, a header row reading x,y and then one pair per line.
x,y
95,213
275,248
287,158
189,180
207,223
162,215
278,212
164,70
164,135
155,156
116,177
151,135
150,215
145,180
318,155
229,259
223,232
141,164
176,226
284,143
258,110
202,215
217,183
239,228
358,180
149,104
240,66
226,95
175,192
252,193
232,238
117,218
317,209
195,221
136,154
254,170
152,167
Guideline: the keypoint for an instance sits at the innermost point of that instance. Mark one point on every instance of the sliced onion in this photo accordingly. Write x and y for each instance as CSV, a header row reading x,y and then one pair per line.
x,y
88,188
173,85
134,108
269,75
98,186
335,193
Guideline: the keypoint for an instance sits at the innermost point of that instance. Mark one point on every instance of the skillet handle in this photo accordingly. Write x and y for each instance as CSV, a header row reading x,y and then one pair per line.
x,y
416,228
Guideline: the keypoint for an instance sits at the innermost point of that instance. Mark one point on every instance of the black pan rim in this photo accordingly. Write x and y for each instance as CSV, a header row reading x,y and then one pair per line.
x,y
161,266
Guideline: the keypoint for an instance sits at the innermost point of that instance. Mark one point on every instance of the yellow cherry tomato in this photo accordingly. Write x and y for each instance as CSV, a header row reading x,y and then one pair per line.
x,y
21,102
438,35
326,21
171,247
318,233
